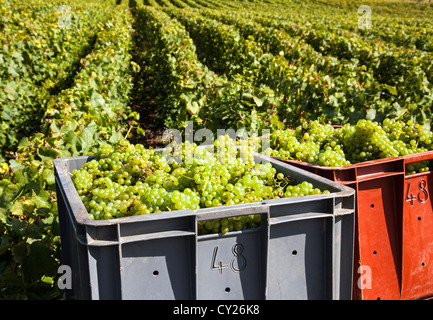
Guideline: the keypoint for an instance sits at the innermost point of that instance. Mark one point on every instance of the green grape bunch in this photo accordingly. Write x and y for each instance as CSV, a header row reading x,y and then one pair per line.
x,y
127,180
324,145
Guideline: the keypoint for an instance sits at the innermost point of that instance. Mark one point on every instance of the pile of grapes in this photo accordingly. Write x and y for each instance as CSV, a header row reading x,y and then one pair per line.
x,y
130,180
324,145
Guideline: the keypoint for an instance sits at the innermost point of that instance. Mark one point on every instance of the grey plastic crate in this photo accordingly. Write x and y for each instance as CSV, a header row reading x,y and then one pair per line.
x,y
302,250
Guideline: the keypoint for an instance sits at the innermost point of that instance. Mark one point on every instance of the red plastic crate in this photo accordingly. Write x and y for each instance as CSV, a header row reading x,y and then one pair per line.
x,y
394,226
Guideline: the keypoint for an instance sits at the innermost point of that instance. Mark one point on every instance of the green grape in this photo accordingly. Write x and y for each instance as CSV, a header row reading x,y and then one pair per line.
x,y
127,180
366,140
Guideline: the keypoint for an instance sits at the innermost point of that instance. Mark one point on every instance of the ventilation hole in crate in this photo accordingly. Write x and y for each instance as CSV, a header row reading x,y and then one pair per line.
x,y
419,218
372,205
374,252
155,273
227,289
378,298
294,252
423,264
